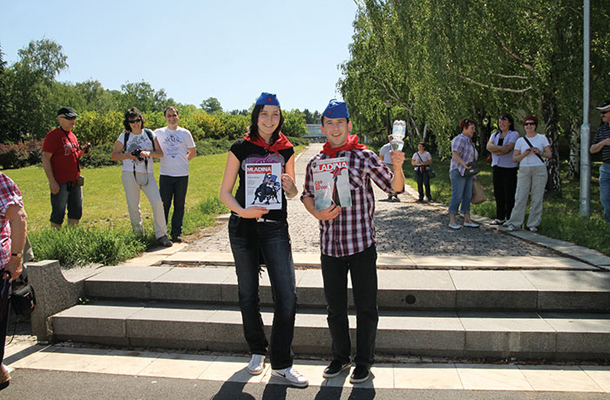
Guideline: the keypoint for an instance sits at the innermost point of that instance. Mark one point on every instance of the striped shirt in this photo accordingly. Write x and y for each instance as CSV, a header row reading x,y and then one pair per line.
x,y
602,133
463,145
9,195
353,230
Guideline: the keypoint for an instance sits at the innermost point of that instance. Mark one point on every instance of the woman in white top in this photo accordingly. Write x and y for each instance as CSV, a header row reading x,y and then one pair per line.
x,y
530,152
422,161
136,146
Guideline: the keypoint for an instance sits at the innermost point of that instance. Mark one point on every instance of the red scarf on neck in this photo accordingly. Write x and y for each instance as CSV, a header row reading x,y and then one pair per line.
x,y
280,144
352,143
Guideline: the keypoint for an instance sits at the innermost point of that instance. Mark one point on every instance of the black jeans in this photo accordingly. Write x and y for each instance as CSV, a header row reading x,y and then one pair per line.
x,y
5,289
363,271
423,181
174,187
505,186
273,240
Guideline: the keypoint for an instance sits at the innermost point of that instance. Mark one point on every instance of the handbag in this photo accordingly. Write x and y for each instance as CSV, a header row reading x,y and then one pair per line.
x,y
478,193
474,169
23,298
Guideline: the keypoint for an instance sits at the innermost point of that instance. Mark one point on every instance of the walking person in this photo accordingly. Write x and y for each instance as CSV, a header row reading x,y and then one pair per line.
x,y
136,147
463,152
422,160
347,241
530,152
256,230
178,149
601,142
501,145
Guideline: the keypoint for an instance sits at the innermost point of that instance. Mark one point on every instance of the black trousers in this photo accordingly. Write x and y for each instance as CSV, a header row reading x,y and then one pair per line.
x,y
505,186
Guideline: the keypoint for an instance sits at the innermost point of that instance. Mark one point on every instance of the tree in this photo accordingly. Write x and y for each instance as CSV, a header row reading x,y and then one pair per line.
x,y
294,123
211,105
142,96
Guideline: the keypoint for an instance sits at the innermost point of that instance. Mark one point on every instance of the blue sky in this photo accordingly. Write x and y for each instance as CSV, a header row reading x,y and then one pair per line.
x,y
232,50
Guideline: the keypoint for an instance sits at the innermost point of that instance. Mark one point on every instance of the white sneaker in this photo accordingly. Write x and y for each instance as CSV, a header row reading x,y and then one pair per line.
x,y
257,364
291,376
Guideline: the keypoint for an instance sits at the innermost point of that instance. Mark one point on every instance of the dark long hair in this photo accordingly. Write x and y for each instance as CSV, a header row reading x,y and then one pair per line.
x,y
253,130
130,115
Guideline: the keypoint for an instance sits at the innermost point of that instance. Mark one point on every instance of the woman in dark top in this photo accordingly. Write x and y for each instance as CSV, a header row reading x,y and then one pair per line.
x,y
256,230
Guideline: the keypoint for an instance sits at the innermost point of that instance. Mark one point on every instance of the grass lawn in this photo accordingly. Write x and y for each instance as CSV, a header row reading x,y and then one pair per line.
x,y
103,194
561,214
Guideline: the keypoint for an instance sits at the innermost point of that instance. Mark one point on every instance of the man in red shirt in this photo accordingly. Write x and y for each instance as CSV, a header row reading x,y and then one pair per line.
x,y
60,160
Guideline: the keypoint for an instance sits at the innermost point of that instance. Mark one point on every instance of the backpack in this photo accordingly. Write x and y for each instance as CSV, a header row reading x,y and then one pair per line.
x,y
148,133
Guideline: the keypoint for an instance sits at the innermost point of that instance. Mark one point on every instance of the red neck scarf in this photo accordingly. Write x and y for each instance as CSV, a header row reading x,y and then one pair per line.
x,y
280,144
352,143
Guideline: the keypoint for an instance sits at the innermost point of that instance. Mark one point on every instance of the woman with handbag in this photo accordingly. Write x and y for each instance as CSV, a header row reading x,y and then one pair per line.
x,y
461,171
422,161
530,152
501,145
13,225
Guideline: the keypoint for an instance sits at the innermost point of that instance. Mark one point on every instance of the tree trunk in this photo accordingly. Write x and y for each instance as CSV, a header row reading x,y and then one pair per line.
x,y
574,169
549,113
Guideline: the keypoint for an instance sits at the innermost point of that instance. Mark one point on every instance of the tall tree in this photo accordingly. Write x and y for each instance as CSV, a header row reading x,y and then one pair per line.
x,y
211,105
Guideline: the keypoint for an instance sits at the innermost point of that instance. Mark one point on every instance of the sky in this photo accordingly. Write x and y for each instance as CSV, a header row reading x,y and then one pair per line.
x,y
228,49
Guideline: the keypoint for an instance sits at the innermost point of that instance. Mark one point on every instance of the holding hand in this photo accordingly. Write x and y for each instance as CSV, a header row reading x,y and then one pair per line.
x,y
327,214
398,158
253,212
289,186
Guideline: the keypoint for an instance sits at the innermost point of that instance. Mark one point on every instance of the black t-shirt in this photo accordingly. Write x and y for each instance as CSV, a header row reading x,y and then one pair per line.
x,y
249,153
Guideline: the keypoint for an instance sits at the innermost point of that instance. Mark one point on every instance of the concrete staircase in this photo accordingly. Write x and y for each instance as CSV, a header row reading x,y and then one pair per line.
x,y
477,311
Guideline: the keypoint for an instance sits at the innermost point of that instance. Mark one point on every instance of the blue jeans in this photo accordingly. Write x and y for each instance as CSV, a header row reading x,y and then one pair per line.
x,y
604,189
5,290
363,271
71,195
461,192
271,239
174,187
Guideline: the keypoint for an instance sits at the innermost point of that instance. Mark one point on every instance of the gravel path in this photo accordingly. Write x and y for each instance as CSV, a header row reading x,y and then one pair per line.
x,y
403,228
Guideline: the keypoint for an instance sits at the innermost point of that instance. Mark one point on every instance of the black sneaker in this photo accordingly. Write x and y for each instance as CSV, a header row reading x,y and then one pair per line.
x,y
335,368
361,374
176,239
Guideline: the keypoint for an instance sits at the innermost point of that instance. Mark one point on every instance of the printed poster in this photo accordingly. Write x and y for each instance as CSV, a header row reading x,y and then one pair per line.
x,y
264,185
331,183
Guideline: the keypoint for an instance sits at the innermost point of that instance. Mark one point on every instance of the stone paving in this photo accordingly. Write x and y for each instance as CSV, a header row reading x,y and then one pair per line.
x,y
403,228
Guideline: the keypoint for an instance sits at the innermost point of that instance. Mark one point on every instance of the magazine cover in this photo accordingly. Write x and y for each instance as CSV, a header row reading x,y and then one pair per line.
x,y
264,185
331,183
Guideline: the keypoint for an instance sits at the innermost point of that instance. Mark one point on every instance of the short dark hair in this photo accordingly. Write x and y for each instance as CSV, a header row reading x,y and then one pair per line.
x,y
322,120
170,108
465,123
422,143
131,114
253,130
510,119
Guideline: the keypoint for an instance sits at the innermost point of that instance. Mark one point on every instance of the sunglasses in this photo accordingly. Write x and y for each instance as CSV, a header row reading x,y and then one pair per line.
x,y
69,118
135,121
530,124
604,112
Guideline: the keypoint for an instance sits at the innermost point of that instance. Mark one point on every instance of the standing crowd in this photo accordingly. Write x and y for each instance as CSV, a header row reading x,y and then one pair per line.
x,y
259,235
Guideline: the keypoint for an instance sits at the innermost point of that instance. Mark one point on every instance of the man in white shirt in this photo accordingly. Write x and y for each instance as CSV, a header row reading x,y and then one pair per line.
x,y
178,149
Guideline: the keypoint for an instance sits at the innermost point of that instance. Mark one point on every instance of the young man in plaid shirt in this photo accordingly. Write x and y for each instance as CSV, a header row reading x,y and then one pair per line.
x,y
347,240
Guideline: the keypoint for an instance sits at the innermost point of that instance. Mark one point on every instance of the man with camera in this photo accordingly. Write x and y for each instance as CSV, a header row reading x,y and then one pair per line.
x,y
60,159
178,149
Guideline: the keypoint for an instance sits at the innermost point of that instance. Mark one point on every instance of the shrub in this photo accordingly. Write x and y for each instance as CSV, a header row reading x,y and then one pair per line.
x,y
20,155
99,156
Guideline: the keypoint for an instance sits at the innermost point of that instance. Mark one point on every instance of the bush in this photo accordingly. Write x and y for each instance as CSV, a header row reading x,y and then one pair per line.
x,y
76,245
99,156
20,155
213,146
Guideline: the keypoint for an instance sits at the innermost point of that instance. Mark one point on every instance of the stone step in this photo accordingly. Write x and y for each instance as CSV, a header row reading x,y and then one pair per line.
x,y
515,290
388,261
522,335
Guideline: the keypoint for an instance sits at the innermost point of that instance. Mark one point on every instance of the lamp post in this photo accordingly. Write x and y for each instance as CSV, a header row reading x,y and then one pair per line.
x,y
388,104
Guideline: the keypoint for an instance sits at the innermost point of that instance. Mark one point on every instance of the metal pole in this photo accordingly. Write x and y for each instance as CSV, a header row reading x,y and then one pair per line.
x,y
388,105
585,129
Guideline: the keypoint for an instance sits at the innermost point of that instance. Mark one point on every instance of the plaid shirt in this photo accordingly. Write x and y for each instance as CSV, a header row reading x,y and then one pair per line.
x,y
602,133
353,230
464,146
9,195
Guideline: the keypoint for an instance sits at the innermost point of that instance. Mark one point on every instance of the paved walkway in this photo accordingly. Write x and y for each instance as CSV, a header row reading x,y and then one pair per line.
x,y
403,228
